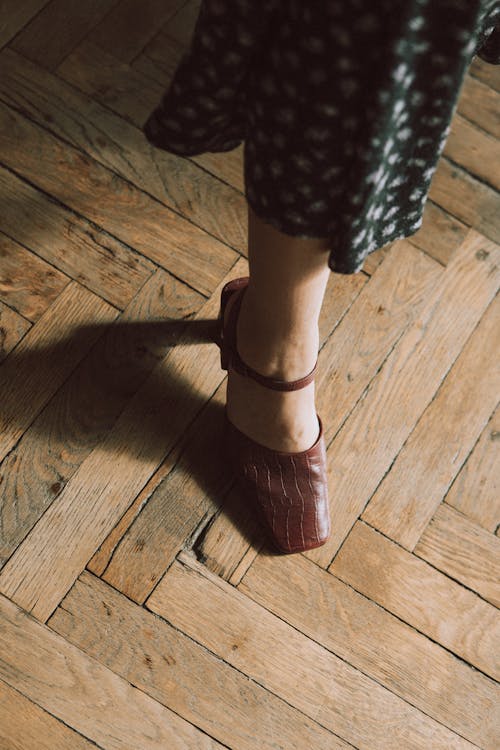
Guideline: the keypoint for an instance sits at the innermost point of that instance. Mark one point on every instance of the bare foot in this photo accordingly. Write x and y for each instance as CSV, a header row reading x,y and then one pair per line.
x,y
280,420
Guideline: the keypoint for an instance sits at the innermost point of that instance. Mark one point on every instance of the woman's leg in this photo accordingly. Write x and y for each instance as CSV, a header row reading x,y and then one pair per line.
x,y
277,335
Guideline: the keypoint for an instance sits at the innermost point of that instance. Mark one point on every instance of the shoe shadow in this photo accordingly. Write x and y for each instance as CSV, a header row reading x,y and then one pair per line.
x,y
127,392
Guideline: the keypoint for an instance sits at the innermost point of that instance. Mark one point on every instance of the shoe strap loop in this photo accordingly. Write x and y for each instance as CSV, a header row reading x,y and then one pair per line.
x,y
243,369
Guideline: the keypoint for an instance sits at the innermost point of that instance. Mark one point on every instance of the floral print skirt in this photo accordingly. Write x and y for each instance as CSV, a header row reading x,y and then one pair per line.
x,y
344,107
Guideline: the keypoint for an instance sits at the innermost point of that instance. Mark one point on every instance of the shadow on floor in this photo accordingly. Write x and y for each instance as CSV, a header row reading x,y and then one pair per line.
x,y
117,399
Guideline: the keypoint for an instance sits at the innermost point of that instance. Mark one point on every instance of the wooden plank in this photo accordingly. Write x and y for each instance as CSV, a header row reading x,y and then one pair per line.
x,y
420,595
53,33
469,200
12,328
181,26
109,479
27,283
122,148
289,664
100,560
479,103
485,72
409,494
130,25
161,55
476,489
186,498
464,551
352,350
180,674
160,58
133,95
378,426
111,82
15,15
26,725
88,697
232,535
377,643
71,244
388,305
440,234
85,408
45,357
113,203
473,149
192,482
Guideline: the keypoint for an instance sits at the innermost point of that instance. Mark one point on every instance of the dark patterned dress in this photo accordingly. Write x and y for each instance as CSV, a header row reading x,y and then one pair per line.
x,y
344,107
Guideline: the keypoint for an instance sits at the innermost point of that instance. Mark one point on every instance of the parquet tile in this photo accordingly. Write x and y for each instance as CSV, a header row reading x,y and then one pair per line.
x,y
476,488
289,664
51,34
408,496
12,329
140,605
379,643
111,270
83,692
167,665
29,284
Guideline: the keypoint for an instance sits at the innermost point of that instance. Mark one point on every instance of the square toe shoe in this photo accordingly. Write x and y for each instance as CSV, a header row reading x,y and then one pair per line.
x,y
288,490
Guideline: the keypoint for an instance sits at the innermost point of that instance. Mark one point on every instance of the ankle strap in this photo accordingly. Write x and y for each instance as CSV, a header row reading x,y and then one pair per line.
x,y
243,369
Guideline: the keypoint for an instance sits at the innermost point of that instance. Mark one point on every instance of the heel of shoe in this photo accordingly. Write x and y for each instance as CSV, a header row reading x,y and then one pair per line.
x,y
226,293
224,354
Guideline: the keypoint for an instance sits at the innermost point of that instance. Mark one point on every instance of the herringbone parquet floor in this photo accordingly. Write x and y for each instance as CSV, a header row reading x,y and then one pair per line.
x,y
140,607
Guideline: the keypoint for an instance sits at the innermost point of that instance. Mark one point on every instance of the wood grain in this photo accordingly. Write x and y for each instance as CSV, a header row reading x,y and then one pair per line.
x,y
466,198
420,595
181,26
53,33
464,551
410,494
29,378
130,25
356,346
26,725
476,490
181,675
485,72
181,186
27,283
467,145
478,102
70,243
289,664
12,328
115,84
377,427
59,677
90,504
133,93
15,15
112,202
140,603
377,643
88,404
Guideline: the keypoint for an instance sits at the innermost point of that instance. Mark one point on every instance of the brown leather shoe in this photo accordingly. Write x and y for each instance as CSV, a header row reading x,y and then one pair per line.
x,y
289,490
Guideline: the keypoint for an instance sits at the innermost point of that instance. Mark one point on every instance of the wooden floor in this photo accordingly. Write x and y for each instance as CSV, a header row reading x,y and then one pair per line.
x,y
140,606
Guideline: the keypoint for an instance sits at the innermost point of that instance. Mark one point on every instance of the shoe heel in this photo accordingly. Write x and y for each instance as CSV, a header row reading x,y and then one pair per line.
x,y
227,290
224,354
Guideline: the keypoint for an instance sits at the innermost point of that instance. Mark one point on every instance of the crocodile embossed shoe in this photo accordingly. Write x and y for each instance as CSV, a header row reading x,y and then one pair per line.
x,y
288,490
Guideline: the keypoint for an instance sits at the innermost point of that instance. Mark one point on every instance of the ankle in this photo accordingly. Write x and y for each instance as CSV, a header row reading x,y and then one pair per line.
x,y
285,353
